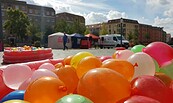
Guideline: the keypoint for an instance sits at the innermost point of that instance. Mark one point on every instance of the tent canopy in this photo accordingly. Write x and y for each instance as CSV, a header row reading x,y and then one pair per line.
x,y
93,36
57,34
77,35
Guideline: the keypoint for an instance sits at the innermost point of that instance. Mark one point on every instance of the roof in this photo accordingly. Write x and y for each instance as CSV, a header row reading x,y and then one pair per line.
x,y
57,34
93,36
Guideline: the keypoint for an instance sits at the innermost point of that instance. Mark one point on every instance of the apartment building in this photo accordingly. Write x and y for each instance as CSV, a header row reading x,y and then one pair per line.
x,y
42,16
39,15
146,33
149,33
70,18
128,26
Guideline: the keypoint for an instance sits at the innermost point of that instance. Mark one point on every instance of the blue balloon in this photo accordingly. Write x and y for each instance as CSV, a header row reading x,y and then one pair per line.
x,y
18,94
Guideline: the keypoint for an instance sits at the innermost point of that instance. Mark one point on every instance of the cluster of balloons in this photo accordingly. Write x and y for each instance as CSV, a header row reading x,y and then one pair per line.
x,y
140,75
25,48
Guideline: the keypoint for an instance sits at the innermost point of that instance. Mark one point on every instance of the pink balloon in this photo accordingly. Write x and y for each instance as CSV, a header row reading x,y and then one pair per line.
x,y
25,84
14,75
47,66
42,72
123,54
103,58
4,90
161,52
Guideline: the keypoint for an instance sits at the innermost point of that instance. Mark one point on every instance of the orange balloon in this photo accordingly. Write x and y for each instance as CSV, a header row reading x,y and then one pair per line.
x,y
68,76
166,79
103,85
121,66
59,65
67,60
86,64
45,90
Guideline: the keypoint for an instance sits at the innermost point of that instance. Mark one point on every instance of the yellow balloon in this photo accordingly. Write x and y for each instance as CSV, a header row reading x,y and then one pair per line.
x,y
16,101
78,57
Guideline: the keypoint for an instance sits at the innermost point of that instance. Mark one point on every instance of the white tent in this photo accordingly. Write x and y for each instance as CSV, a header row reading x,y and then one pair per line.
x,y
55,41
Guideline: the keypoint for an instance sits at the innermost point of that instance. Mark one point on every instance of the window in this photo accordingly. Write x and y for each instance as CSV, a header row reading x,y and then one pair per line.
x,y
3,13
16,6
30,10
114,38
52,13
2,6
36,11
47,13
53,20
23,8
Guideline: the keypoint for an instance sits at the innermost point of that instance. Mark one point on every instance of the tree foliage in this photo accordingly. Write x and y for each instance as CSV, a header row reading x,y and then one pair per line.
x,y
34,32
61,26
87,31
103,30
73,27
17,23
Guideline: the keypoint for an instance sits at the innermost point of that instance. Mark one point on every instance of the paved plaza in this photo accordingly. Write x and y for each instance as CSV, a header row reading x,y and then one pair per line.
x,y
59,53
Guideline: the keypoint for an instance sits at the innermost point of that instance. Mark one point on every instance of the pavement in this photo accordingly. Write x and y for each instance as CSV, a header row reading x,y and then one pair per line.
x,y
60,53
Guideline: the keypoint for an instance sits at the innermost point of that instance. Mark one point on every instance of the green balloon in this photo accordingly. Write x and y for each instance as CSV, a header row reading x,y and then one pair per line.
x,y
156,66
168,70
137,48
74,98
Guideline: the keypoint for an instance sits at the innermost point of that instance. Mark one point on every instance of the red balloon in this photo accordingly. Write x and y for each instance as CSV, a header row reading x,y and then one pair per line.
x,y
4,90
161,52
140,99
150,86
170,93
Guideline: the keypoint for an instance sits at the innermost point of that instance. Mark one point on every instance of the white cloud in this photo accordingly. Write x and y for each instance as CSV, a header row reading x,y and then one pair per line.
x,y
163,21
93,18
168,13
167,23
115,14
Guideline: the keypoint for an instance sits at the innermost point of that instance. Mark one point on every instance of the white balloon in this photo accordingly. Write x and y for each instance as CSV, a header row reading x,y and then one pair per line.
x,y
144,64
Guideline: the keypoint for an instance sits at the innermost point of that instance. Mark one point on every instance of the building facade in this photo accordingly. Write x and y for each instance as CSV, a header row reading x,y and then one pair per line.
x,y
128,26
39,15
145,33
70,18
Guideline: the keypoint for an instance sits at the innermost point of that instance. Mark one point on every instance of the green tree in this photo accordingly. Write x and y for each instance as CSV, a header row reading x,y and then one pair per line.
x,y
135,36
87,31
49,30
103,30
33,31
78,28
61,26
130,36
74,27
147,36
17,23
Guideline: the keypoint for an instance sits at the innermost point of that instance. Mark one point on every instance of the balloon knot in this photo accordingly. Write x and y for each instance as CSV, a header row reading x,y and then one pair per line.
x,y
136,65
63,88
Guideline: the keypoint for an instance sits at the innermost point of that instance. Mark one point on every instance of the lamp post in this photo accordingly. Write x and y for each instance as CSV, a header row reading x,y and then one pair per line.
x,y
1,32
121,21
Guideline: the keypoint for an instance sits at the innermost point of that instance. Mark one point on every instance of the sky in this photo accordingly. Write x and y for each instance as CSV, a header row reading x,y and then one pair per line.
x,y
157,13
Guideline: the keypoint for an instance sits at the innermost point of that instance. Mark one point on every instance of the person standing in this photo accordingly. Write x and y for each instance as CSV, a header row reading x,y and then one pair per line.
x,y
65,38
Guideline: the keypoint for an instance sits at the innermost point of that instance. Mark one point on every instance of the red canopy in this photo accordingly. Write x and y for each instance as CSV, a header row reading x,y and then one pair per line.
x,y
93,36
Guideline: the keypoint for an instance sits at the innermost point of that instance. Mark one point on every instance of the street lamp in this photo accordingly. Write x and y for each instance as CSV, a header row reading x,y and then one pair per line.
x,y
1,33
121,21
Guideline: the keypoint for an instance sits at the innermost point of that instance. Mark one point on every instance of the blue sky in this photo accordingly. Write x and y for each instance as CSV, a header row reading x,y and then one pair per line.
x,y
153,12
